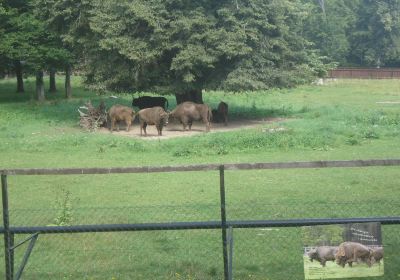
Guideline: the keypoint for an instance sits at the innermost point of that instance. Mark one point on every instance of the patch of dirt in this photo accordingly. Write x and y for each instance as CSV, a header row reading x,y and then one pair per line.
x,y
173,130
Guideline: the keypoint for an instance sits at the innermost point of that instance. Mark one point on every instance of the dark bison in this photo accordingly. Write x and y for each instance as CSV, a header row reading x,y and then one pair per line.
x,y
377,254
323,254
153,116
149,102
349,252
223,112
121,113
187,112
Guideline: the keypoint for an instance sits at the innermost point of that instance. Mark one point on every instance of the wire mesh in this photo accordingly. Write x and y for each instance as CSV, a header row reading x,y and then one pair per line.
x,y
258,253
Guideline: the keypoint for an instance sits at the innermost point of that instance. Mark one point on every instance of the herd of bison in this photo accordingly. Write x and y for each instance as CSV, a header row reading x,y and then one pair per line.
x,y
152,111
347,253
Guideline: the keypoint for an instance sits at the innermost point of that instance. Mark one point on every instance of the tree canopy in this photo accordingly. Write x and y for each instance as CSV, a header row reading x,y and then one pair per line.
x,y
182,46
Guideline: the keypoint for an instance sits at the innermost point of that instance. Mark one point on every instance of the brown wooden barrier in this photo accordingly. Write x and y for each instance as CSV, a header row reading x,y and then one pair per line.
x,y
365,73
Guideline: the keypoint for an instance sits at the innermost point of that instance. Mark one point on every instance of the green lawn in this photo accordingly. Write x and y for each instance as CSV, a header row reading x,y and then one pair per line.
x,y
314,270
340,120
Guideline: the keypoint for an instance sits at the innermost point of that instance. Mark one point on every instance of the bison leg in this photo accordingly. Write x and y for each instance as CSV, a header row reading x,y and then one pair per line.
x,y
323,262
112,125
144,129
128,125
190,125
159,130
207,126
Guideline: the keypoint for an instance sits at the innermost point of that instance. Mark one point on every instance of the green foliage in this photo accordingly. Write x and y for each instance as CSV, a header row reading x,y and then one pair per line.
x,y
26,38
180,46
376,38
327,235
359,32
64,208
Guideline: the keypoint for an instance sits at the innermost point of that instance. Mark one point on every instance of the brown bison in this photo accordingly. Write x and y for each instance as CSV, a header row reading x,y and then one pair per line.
x,y
187,112
377,254
221,113
349,252
323,254
153,116
121,113
149,102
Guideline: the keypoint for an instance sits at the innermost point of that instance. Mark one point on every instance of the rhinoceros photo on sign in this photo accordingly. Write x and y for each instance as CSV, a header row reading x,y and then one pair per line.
x,y
343,251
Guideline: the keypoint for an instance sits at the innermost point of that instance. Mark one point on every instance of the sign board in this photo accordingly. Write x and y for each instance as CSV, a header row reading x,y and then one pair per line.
x,y
343,251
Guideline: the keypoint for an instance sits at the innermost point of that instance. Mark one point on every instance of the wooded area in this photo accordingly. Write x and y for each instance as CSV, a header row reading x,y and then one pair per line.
x,y
182,47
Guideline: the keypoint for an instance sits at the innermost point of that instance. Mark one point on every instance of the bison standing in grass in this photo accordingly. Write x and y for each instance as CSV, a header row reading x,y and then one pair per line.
x,y
121,113
323,254
221,113
187,112
349,252
153,116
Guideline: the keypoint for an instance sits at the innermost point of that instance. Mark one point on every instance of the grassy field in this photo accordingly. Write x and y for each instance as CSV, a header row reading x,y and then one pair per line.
x,y
314,270
340,120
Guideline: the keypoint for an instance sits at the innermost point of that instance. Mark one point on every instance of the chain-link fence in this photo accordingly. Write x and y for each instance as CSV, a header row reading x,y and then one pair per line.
x,y
160,223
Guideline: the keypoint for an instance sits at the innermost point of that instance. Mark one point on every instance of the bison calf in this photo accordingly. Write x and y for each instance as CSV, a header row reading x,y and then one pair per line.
x,y
187,112
153,116
121,113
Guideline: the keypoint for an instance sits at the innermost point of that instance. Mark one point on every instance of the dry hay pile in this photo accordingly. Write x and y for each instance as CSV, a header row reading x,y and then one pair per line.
x,y
93,118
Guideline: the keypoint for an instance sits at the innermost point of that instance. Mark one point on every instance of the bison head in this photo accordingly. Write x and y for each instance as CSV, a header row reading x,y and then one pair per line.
x,y
312,254
135,102
164,117
340,256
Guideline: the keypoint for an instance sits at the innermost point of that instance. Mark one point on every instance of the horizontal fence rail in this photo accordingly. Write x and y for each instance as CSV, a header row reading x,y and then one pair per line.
x,y
197,225
203,167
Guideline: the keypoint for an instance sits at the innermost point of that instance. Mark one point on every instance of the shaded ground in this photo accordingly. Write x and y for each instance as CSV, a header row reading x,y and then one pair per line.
x,y
176,129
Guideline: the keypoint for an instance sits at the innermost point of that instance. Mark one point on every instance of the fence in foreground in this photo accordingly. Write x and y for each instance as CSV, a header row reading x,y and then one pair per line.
x,y
365,73
216,245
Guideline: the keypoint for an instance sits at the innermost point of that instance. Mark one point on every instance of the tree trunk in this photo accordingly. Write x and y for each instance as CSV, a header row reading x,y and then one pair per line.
x,y
18,73
195,95
53,88
68,92
40,86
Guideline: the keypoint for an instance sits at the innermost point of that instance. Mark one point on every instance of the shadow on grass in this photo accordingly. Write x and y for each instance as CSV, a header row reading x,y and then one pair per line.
x,y
58,109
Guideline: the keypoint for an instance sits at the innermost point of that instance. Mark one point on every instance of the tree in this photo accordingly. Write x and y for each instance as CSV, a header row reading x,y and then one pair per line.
x,y
185,46
329,25
67,19
9,39
26,38
376,39
327,235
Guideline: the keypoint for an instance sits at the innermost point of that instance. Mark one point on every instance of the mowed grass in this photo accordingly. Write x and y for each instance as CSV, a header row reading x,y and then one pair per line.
x,y
340,120
314,270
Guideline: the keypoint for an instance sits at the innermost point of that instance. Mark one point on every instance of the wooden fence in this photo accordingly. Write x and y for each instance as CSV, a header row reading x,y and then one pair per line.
x,y
365,73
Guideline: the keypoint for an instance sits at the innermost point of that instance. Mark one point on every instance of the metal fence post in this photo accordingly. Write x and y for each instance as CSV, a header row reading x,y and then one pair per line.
x,y
223,221
6,224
